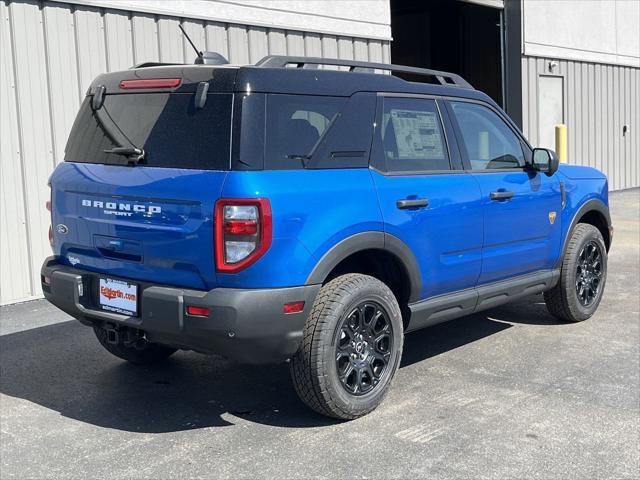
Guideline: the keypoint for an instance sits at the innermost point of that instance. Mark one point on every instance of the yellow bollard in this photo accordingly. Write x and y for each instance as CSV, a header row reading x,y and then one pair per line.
x,y
561,142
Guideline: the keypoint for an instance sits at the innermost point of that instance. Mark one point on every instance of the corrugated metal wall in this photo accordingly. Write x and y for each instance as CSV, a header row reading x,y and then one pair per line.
x,y
50,52
598,101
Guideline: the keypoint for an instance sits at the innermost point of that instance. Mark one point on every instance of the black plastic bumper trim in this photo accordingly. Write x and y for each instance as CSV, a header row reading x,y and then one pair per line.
x,y
247,325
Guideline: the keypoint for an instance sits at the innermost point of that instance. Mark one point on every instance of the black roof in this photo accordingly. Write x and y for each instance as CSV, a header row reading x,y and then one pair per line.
x,y
272,75
337,83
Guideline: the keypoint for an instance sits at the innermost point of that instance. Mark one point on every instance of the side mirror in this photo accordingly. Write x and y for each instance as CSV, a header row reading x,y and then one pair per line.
x,y
545,160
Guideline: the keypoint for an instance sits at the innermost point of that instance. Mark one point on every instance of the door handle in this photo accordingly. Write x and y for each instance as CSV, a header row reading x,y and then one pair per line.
x,y
114,245
412,203
501,195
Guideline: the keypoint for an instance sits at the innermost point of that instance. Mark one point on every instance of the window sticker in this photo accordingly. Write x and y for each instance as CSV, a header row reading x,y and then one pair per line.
x,y
417,134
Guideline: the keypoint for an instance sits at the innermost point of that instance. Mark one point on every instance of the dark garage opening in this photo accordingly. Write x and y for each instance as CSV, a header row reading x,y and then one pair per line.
x,y
450,35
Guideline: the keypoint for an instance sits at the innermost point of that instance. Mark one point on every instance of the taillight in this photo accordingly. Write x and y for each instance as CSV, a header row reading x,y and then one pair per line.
x,y
242,232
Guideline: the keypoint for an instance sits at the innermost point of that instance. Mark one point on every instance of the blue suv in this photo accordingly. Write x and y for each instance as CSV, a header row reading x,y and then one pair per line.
x,y
312,211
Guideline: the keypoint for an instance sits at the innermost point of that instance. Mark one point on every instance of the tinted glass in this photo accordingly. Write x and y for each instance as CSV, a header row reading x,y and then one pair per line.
x,y
170,129
248,132
412,136
295,124
488,140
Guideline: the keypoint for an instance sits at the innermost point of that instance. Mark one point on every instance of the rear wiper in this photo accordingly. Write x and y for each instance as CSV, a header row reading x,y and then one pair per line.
x,y
303,158
133,154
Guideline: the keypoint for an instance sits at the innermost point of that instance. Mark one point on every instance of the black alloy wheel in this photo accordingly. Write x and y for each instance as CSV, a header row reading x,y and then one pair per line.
x,y
583,275
363,348
589,273
350,348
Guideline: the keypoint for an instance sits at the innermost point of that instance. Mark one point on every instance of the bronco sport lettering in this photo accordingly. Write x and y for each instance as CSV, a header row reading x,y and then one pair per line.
x,y
121,208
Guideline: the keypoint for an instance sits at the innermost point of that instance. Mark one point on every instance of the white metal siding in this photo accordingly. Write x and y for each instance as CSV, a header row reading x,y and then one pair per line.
x,y
598,101
596,31
49,54
362,18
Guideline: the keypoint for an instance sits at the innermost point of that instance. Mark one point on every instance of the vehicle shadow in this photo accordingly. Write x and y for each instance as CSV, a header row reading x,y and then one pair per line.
x,y
447,336
63,368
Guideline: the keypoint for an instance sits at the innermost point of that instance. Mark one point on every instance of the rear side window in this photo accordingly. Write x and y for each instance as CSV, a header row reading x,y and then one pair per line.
x,y
292,132
295,126
488,140
169,127
412,135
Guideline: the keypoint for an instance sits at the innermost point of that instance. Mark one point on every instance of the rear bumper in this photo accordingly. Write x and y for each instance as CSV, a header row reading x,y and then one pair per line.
x,y
244,325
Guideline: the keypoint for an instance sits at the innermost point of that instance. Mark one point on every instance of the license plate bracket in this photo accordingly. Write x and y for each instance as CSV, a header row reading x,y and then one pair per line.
x,y
118,296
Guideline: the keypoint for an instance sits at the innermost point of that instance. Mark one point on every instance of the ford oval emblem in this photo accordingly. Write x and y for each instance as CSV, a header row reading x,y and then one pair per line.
x,y
62,229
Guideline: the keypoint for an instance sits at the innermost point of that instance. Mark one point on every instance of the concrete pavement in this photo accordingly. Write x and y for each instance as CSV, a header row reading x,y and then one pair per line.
x,y
509,393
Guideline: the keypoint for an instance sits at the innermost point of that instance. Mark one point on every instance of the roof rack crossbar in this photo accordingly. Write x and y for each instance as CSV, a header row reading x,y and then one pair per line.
x,y
282,61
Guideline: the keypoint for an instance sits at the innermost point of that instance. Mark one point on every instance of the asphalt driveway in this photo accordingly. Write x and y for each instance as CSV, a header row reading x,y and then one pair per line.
x,y
506,393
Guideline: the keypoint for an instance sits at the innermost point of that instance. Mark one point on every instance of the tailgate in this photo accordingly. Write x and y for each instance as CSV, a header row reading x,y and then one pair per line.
x,y
144,164
144,223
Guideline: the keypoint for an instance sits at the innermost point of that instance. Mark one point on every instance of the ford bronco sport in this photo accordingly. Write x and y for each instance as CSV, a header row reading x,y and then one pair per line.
x,y
285,212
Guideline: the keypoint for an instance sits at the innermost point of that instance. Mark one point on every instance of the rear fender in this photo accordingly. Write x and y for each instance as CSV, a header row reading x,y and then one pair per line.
x,y
371,240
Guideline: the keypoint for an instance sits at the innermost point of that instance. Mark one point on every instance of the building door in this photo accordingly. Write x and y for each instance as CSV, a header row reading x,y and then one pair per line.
x,y
454,36
550,109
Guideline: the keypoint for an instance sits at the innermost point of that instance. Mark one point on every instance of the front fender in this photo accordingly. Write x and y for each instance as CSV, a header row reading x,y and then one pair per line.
x,y
594,204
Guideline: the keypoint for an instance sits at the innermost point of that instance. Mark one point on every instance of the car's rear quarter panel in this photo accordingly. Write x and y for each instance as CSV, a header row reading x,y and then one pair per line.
x,y
312,211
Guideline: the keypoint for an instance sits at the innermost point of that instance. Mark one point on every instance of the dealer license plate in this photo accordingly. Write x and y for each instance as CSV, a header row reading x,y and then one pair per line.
x,y
118,296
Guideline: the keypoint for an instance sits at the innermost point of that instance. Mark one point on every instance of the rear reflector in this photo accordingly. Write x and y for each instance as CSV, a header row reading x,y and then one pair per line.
x,y
293,307
150,83
198,311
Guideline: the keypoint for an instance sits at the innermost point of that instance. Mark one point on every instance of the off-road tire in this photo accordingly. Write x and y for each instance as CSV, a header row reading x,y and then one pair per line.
x,y
314,367
139,353
562,300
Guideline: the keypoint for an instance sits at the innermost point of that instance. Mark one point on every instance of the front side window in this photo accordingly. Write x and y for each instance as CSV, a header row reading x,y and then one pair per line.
x,y
412,136
295,125
487,139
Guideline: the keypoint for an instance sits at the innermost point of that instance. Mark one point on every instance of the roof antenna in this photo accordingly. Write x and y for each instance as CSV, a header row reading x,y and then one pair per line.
x,y
205,58
198,52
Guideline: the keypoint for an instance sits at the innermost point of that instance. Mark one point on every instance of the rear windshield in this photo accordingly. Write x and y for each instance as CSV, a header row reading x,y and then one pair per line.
x,y
169,128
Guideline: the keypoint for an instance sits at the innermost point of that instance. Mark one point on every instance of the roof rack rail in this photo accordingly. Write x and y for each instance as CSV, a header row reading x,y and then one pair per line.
x,y
153,64
282,61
